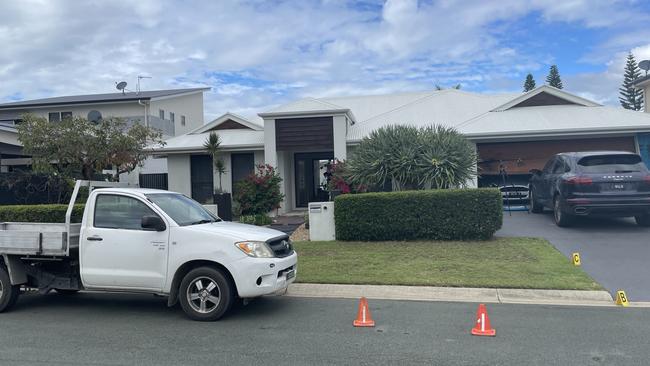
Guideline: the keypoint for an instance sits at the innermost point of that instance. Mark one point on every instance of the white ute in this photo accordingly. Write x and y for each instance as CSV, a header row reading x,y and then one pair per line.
x,y
146,241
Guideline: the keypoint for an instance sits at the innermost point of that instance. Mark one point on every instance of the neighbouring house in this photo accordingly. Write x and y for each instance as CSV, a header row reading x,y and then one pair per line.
x,y
174,112
513,133
643,83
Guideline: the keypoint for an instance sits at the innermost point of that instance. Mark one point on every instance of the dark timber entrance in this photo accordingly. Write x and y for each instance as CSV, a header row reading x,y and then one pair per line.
x,y
202,178
309,169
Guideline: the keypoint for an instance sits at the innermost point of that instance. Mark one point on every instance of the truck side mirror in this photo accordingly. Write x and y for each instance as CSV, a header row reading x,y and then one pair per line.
x,y
153,223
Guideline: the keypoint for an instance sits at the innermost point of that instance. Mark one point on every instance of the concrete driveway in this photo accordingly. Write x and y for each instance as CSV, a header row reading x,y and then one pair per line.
x,y
615,252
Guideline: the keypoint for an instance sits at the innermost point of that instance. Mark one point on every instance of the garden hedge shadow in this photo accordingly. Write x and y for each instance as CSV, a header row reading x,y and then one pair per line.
x,y
448,214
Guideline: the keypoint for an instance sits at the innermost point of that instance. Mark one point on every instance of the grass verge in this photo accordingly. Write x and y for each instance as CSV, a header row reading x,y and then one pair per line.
x,y
503,263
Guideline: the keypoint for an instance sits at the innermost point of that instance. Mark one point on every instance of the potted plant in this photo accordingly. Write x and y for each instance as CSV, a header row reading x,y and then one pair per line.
x,y
222,199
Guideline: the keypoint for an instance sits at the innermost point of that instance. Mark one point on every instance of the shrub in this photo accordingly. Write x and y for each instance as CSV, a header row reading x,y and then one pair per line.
x,y
259,219
39,213
259,192
454,214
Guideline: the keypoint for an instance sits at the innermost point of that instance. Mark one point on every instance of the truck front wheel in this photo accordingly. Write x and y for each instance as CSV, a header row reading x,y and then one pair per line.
x,y
206,294
8,293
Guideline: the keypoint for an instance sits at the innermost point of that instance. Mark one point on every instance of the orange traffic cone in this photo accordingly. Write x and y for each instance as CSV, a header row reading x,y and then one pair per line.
x,y
363,315
482,327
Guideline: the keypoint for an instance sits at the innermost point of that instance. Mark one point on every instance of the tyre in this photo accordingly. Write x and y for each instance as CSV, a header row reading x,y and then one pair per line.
x,y
562,218
206,294
8,292
643,220
535,206
66,291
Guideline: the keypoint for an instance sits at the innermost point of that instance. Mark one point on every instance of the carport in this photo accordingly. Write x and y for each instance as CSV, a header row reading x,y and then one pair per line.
x,y
516,159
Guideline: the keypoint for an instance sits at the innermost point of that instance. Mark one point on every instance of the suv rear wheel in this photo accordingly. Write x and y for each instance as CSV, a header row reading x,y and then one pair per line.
x,y
643,220
206,294
562,218
8,292
535,206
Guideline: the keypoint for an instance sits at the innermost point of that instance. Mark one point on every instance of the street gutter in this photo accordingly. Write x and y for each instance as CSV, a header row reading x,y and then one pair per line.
x,y
457,294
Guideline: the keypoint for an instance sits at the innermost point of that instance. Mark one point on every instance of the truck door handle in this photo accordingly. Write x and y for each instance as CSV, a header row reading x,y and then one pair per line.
x,y
94,238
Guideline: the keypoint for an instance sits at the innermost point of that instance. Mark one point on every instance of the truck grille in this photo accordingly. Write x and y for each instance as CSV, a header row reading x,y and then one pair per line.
x,y
281,247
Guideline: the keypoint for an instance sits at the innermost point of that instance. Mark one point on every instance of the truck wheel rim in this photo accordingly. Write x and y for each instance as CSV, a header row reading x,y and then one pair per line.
x,y
203,295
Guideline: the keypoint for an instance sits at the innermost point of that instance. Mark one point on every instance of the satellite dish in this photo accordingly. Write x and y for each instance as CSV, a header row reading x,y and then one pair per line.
x,y
645,65
95,116
121,86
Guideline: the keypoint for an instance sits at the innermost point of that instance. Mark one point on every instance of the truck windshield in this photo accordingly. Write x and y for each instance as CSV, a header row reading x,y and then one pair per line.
x,y
185,211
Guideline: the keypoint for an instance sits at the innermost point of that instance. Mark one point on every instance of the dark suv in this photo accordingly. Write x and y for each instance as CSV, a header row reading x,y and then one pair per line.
x,y
595,183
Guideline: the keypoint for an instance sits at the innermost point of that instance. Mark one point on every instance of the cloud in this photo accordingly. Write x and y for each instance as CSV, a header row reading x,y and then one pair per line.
x,y
256,54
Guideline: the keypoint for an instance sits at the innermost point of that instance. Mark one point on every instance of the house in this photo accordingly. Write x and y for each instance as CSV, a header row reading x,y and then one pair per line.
x,y
513,133
643,83
174,112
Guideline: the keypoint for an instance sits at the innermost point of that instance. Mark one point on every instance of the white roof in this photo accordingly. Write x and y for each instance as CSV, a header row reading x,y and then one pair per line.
x,y
9,135
239,139
555,120
447,107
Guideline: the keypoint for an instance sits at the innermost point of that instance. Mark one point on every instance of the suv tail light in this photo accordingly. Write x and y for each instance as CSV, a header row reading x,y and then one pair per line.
x,y
579,180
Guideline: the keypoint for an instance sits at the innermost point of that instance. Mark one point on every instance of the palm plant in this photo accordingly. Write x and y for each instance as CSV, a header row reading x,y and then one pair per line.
x,y
408,157
213,146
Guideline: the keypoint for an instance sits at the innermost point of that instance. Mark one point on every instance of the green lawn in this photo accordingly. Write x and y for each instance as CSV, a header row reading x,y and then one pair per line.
x,y
503,263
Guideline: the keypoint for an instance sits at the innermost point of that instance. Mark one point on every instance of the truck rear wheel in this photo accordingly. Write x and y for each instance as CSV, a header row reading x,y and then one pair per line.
x,y
206,294
8,292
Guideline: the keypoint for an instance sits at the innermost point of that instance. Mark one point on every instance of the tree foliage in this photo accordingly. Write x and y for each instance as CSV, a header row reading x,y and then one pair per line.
x,y
529,84
553,79
408,157
213,145
76,147
631,97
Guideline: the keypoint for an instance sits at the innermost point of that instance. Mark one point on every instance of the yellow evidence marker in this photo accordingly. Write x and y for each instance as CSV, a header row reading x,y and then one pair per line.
x,y
576,259
621,298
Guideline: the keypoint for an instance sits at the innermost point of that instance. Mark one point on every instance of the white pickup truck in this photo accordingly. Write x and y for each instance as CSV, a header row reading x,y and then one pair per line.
x,y
146,241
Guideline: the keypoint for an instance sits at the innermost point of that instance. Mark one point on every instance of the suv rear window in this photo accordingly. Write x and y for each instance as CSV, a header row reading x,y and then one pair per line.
x,y
627,163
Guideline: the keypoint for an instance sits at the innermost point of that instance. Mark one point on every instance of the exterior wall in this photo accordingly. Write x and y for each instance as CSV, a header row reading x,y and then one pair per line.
x,y
190,106
646,94
270,152
340,124
178,168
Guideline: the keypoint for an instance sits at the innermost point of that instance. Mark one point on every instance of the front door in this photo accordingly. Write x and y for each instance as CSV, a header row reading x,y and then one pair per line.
x,y
116,252
310,179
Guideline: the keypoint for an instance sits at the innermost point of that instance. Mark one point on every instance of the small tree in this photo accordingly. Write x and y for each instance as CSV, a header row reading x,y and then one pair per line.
x,y
553,79
529,84
408,157
76,147
213,145
259,192
631,97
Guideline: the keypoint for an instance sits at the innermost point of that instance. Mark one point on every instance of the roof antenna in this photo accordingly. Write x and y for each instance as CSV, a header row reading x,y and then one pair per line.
x,y
140,77
121,86
645,65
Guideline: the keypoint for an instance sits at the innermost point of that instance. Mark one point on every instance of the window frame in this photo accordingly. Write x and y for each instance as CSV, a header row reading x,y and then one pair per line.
x,y
57,114
161,113
182,120
172,117
67,113
125,196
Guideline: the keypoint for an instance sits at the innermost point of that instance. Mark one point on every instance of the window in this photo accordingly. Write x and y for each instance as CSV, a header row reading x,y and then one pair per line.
x,y
561,167
184,210
613,164
58,116
161,114
549,165
172,116
120,212
182,120
54,117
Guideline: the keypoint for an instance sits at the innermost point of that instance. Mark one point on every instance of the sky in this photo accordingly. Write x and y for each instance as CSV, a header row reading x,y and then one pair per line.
x,y
256,54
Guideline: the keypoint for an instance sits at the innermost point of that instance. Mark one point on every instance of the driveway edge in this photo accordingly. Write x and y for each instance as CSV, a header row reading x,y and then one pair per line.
x,y
455,294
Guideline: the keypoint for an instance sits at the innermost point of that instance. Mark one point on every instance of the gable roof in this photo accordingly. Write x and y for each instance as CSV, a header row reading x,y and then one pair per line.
x,y
102,98
307,106
228,116
551,95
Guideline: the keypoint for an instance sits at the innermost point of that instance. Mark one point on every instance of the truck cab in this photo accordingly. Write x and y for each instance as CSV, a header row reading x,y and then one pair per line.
x,y
161,242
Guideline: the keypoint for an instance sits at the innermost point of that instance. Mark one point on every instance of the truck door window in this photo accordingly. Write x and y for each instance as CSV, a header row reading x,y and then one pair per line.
x,y
120,212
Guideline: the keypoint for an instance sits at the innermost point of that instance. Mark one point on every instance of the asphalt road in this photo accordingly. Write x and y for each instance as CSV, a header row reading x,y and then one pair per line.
x,y
109,329
615,252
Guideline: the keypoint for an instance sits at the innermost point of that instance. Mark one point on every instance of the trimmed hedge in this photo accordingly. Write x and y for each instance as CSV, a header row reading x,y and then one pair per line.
x,y
39,213
450,214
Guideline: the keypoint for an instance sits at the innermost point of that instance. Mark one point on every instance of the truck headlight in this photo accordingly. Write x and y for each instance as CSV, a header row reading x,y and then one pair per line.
x,y
256,249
